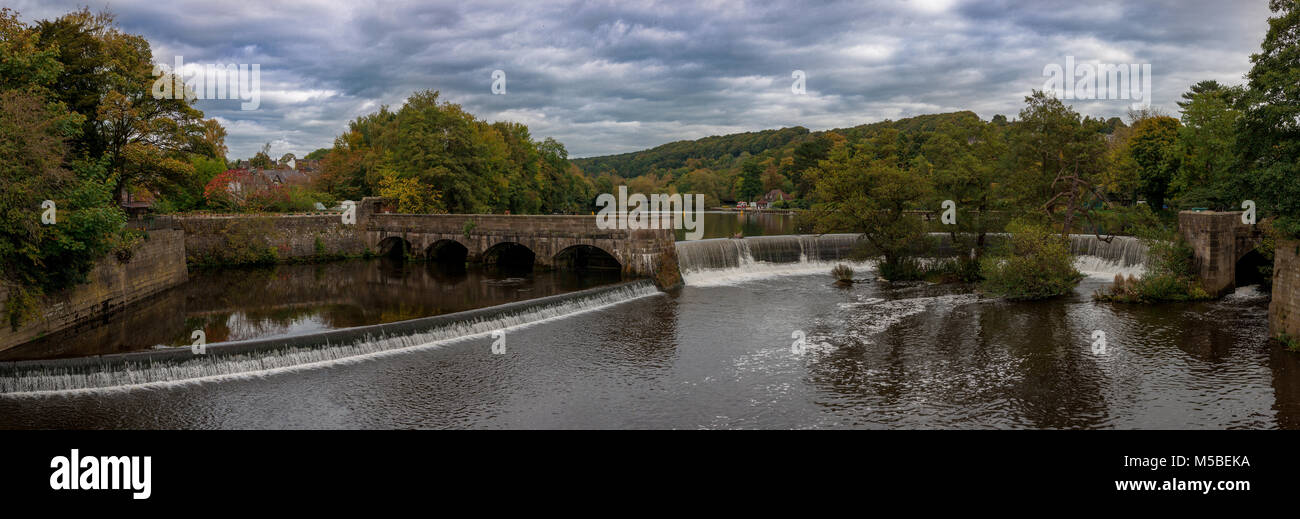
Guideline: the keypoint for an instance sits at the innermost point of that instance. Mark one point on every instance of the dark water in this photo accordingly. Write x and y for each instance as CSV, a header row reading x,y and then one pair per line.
x,y
718,354
284,300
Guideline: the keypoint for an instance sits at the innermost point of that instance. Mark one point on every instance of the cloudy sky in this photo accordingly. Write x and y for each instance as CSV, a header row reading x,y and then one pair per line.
x,y
611,77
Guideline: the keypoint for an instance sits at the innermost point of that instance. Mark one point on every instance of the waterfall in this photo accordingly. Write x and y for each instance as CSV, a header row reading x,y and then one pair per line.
x,y
1124,255
723,261
268,356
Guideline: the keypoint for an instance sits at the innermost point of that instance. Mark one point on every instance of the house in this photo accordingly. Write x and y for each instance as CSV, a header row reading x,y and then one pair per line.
x,y
286,176
772,197
776,195
309,166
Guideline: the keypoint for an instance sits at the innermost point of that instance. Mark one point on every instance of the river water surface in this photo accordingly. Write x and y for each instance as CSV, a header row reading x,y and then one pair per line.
x,y
718,353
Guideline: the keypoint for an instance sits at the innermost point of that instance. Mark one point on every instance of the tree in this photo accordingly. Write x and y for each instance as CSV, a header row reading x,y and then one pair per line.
x,y
1208,86
40,258
966,161
411,195
475,166
1270,134
749,185
262,159
108,77
1119,179
1207,145
806,157
1036,265
1154,148
704,182
773,179
864,189
1058,157
29,65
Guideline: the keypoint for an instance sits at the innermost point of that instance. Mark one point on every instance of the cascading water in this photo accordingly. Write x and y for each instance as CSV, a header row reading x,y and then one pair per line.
x,y
723,261
1123,255
257,358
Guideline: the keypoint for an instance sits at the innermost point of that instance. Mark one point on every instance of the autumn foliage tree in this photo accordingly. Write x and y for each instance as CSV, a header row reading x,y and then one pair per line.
x,y
473,166
108,77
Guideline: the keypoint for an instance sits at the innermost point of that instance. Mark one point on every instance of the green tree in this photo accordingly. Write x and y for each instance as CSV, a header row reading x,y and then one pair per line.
x,y
477,167
966,161
39,258
1036,264
1154,148
806,157
1120,176
1059,156
1270,136
1207,145
865,190
749,184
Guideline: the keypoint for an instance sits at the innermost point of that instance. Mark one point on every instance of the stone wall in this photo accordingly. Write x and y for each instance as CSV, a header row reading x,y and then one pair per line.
x,y
156,264
1284,310
240,239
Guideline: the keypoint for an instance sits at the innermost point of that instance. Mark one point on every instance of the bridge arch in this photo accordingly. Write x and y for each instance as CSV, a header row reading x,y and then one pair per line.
x,y
394,247
585,257
510,255
447,252
1249,269
533,241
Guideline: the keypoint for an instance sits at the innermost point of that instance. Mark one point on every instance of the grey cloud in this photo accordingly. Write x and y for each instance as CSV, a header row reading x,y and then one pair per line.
x,y
606,77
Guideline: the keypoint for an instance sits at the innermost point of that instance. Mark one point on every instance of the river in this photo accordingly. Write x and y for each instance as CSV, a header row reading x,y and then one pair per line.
x,y
718,353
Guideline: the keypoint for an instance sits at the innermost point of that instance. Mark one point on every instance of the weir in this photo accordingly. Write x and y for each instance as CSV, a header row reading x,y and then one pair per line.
x,y
717,260
263,356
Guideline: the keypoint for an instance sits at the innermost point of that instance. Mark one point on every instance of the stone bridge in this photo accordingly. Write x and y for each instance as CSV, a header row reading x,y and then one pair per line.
x,y
523,241
1223,247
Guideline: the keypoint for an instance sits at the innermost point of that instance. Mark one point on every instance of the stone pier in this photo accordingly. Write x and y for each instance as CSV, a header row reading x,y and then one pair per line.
x,y
1218,240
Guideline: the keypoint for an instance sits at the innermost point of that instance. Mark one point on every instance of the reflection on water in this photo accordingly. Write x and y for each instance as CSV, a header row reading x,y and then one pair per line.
x,y
727,224
237,304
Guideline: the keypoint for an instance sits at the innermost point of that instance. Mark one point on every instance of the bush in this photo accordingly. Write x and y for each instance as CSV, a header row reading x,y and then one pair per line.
x,y
843,274
1168,276
901,268
1035,263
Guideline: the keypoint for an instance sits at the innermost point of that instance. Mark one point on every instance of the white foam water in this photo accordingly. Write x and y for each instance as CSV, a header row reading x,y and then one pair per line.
x,y
1095,257
730,261
1099,267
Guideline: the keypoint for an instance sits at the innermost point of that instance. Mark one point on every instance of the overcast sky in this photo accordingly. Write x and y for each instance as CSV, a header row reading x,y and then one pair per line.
x,y
605,77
